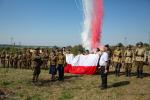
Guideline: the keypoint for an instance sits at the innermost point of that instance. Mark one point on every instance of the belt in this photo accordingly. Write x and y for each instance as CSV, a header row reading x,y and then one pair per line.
x,y
140,56
128,56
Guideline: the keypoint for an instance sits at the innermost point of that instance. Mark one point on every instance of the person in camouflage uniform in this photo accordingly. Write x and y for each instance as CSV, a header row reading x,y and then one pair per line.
x,y
53,65
24,60
140,58
15,60
61,61
117,59
37,65
128,55
11,59
20,59
7,59
28,59
45,59
149,58
3,56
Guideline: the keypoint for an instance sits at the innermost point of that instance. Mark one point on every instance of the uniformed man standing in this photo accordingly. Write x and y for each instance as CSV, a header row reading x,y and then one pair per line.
x,y
149,58
117,59
140,58
20,59
24,60
3,56
45,59
28,59
61,61
53,65
128,54
11,59
7,59
15,60
37,65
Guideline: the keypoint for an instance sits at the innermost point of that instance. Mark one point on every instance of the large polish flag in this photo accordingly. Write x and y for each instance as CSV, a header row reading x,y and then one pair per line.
x,y
81,64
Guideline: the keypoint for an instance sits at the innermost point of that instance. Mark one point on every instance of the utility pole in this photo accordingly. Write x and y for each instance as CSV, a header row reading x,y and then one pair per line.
x,y
125,41
11,40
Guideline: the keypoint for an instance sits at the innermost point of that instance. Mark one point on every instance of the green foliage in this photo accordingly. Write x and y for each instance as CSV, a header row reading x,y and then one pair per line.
x,y
77,48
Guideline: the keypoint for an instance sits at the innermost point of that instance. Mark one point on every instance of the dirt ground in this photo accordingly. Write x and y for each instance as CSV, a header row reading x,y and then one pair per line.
x,y
16,84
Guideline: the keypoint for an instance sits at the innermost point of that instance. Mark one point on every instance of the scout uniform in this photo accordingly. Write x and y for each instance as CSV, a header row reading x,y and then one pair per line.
x,y
61,63
3,56
140,58
37,65
128,54
53,64
29,58
117,59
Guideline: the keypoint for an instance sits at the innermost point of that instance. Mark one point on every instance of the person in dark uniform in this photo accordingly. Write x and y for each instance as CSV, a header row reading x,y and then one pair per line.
x,y
53,64
61,61
37,65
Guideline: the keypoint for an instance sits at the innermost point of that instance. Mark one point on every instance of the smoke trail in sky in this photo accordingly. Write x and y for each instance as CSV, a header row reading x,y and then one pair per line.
x,y
93,13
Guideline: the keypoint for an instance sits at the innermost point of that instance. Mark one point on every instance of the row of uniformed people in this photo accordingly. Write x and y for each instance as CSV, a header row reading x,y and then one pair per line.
x,y
128,58
22,59
19,59
57,62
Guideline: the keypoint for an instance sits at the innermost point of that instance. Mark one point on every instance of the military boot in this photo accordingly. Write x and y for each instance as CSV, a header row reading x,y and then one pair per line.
x,y
141,73
138,74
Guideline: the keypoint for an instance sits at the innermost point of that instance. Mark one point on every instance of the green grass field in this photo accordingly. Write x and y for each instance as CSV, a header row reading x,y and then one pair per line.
x,y
17,85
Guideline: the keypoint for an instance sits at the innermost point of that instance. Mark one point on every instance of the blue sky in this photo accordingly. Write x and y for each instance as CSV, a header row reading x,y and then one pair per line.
x,y
59,22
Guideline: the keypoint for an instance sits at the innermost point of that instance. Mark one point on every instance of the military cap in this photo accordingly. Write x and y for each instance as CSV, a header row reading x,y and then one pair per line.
x,y
107,45
129,46
118,45
140,43
37,49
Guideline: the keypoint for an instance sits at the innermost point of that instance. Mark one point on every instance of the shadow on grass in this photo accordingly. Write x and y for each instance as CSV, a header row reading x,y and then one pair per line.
x,y
72,76
144,74
111,73
67,79
119,84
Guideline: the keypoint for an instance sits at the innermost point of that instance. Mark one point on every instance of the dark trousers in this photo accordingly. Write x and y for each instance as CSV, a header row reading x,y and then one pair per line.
x,y
60,69
128,67
139,65
103,77
117,68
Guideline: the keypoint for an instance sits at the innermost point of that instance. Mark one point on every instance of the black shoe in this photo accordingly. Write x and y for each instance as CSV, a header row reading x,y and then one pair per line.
x,y
103,88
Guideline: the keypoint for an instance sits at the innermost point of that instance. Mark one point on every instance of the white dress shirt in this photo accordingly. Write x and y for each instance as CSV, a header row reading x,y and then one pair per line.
x,y
103,59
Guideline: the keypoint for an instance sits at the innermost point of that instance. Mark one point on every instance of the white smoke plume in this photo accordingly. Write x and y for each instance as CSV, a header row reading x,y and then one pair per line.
x,y
86,33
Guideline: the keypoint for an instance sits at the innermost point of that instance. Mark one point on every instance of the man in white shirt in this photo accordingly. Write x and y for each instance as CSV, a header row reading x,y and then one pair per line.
x,y
103,62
